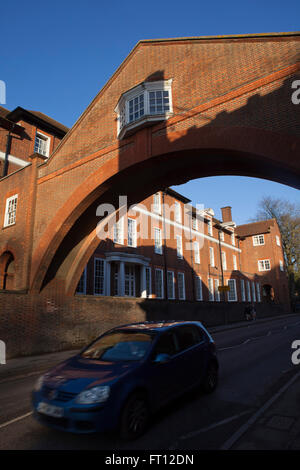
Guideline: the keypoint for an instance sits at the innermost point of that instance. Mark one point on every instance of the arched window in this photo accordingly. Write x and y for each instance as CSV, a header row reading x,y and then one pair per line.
x,y
7,271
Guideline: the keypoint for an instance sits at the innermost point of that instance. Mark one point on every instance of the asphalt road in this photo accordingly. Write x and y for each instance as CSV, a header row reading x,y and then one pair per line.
x,y
255,361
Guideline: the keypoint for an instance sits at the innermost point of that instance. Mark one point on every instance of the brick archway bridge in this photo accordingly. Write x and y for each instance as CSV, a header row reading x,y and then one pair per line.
x,y
232,114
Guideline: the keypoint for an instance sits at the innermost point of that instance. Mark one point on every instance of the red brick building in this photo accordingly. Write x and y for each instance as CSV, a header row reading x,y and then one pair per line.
x,y
26,139
164,249
174,110
158,251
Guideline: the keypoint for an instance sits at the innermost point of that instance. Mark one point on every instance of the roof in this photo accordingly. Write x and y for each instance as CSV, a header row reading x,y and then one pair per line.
x,y
255,228
20,112
176,195
3,111
151,325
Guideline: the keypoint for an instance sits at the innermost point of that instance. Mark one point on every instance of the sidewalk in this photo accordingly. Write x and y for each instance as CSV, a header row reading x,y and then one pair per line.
x,y
33,365
278,427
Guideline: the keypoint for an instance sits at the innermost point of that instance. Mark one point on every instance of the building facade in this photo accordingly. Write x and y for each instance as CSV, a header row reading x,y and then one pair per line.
x,y
166,249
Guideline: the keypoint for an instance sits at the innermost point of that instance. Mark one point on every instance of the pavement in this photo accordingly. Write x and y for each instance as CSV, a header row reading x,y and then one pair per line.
x,y
275,426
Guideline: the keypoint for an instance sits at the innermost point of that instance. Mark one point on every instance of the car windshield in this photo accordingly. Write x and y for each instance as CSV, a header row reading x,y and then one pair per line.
x,y
119,346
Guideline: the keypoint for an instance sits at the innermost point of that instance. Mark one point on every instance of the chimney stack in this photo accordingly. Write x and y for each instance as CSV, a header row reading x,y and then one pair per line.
x,y
226,214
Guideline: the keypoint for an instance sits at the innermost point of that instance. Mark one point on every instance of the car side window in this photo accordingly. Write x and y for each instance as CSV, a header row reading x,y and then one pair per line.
x,y
165,345
188,336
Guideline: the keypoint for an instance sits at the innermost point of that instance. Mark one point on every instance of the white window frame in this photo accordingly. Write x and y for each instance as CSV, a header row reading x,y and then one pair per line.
x,y
243,292
210,228
157,241
122,108
177,212
194,223
156,203
198,288
133,244
84,275
281,265
172,296
224,260
212,256
278,240
179,246
196,252
258,240
216,291
248,291
258,292
104,277
211,290
262,263
181,276
45,138
234,262
253,292
148,288
229,283
161,284
119,232
233,239
10,219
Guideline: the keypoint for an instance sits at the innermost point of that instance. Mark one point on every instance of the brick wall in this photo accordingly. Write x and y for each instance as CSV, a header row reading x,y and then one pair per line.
x,y
34,324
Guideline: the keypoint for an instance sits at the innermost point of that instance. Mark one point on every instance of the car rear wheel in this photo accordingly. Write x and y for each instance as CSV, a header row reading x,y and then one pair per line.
x,y
211,380
134,417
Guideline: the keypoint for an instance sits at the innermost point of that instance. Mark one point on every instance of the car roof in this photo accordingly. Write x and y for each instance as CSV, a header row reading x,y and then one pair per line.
x,y
155,325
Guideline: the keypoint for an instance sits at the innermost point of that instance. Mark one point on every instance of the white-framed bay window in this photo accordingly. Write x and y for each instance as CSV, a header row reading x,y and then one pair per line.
x,y
147,102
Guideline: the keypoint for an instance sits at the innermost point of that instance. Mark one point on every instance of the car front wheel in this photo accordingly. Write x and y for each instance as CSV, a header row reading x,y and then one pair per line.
x,y
211,380
134,417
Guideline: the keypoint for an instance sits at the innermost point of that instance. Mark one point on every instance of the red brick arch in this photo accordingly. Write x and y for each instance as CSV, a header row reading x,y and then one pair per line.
x,y
174,158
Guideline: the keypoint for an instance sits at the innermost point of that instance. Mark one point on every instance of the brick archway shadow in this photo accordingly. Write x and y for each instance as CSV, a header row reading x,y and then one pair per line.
x,y
65,248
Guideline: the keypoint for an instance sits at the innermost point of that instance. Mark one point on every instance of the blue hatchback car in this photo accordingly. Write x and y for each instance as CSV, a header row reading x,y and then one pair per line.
x,y
125,375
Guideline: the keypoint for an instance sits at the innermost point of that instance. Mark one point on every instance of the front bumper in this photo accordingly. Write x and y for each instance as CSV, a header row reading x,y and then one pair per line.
x,y
77,418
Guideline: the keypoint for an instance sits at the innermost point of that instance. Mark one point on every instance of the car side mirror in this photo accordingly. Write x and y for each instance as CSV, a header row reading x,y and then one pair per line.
x,y
162,357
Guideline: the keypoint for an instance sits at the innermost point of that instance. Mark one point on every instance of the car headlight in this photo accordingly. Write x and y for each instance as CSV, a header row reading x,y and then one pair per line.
x,y
93,395
39,383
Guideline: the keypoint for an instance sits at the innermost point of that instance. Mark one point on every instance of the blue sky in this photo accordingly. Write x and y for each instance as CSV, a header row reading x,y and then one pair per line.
x,y
56,56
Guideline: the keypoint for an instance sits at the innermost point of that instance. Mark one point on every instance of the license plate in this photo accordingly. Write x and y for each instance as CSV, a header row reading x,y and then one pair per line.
x,y
50,410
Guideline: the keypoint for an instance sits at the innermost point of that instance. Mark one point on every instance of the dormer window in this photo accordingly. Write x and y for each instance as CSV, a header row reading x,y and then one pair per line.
x,y
42,144
144,104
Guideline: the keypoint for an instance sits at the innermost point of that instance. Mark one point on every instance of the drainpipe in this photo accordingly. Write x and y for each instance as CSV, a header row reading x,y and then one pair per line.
x,y
5,166
221,263
165,248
